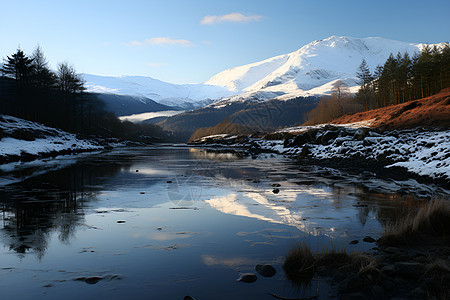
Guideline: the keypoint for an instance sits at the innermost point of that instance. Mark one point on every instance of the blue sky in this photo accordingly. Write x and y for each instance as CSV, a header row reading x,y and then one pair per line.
x,y
190,41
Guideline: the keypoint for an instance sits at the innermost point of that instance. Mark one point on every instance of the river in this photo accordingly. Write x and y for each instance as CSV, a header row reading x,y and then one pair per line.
x,y
166,222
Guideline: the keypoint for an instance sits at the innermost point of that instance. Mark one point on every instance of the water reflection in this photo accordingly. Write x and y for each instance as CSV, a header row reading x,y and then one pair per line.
x,y
52,202
188,211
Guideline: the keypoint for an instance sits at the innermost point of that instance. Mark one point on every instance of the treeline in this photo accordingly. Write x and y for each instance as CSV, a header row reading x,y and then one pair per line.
x,y
339,103
403,78
29,89
400,79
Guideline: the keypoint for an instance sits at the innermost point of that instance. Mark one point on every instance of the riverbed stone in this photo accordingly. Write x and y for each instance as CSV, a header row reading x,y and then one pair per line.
x,y
412,270
369,239
247,278
350,283
265,270
93,279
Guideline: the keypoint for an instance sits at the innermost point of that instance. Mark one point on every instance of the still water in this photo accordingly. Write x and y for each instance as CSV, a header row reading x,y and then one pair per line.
x,y
167,222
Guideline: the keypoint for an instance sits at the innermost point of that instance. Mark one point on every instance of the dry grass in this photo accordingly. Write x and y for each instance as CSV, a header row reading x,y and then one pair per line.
x,y
431,222
301,262
438,274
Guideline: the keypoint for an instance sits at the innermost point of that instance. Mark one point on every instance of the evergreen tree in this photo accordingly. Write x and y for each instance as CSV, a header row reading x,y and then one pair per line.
x,y
42,75
365,80
18,66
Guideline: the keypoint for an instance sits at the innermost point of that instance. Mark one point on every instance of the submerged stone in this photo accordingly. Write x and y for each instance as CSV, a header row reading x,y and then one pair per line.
x,y
369,239
247,278
265,270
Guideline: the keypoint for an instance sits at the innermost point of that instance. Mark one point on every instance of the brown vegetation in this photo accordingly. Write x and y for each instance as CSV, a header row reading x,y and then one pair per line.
x,y
301,264
432,112
412,260
431,223
223,127
329,108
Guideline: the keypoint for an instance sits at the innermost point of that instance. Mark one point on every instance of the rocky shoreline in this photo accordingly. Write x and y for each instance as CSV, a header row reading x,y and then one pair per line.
x,y
419,154
22,140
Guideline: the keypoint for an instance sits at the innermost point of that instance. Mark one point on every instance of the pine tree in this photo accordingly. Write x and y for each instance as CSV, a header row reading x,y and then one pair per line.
x,y
18,66
365,80
42,75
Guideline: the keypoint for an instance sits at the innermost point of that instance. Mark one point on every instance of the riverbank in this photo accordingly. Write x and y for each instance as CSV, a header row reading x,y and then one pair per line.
x,y
22,140
412,260
412,136
414,153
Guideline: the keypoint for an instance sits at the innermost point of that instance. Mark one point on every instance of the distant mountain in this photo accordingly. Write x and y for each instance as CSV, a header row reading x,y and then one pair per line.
x,y
125,105
184,96
309,71
251,116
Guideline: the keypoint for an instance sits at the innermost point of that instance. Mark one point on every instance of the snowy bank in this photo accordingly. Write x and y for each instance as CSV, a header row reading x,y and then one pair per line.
x,y
421,152
25,140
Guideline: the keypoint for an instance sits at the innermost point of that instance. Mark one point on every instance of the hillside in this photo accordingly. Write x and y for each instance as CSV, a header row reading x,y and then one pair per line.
x,y
250,116
430,112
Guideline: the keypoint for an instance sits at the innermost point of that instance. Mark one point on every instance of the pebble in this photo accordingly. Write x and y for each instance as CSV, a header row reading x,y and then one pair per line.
x,y
121,221
353,242
275,191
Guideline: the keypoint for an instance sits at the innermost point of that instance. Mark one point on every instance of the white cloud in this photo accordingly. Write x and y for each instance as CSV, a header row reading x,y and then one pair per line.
x,y
233,17
162,41
135,43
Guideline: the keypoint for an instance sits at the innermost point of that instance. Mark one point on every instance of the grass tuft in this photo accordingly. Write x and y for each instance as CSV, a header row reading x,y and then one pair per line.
x,y
430,222
299,264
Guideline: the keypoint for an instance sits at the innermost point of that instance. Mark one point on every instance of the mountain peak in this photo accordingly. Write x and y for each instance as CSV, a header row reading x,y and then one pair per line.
x,y
310,70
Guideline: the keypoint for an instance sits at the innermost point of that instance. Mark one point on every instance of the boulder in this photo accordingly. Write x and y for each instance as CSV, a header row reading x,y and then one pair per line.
x,y
328,136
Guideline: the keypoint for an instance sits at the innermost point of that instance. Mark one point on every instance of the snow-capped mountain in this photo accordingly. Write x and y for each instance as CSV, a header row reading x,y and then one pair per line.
x,y
181,95
311,70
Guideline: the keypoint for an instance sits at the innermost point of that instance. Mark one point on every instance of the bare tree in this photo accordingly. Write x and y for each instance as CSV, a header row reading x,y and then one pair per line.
x,y
68,80
339,92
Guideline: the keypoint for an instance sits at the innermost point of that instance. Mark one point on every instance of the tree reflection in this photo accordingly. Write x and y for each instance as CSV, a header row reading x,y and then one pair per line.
x,y
55,202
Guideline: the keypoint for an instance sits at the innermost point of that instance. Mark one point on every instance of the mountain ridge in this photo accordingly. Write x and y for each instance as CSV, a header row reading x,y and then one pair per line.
x,y
308,71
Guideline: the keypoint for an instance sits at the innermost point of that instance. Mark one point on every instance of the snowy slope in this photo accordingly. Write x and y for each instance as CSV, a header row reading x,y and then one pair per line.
x,y
21,138
182,95
311,70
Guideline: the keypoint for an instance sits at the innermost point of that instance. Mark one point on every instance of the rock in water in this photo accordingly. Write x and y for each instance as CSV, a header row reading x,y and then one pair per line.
x,y
247,278
369,239
93,280
188,298
265,270
275,191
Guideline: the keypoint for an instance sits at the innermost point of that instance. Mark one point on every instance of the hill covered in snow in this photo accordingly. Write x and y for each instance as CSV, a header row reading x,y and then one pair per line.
x,y
308,71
